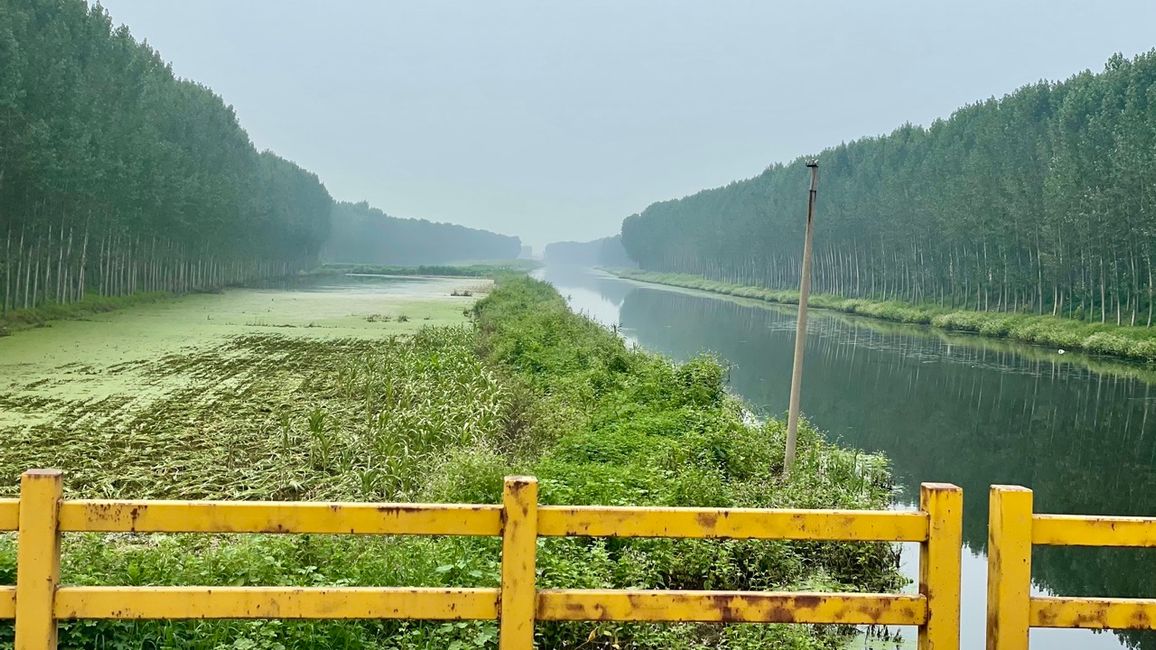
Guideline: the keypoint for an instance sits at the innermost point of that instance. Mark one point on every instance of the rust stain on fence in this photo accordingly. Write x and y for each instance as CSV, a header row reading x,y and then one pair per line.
x,y
731,607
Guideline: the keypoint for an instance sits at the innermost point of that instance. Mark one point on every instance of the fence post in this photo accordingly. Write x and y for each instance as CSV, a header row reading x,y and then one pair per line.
x,y
940,565
38,559
1009,567
519,597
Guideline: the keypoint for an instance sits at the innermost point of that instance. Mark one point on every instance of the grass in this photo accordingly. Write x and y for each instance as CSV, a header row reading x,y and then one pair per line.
x,y
1128,342
442,415
92,304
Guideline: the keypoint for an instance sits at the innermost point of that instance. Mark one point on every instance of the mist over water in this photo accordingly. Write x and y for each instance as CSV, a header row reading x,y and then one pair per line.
x,y
1079,431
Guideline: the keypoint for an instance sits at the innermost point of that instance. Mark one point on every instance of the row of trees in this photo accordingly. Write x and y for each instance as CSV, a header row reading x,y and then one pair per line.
x,y
1043,201
116,177
607,251
365,235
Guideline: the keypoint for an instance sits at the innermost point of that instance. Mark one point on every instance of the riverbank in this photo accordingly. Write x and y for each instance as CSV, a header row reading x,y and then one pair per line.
x,y
1137,343
93,304
440,414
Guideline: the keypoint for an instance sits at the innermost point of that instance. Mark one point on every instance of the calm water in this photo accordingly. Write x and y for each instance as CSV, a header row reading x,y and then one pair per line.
x,y
1080,432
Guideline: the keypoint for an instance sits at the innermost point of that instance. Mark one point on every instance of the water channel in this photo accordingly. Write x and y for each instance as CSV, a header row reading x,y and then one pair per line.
x,y
1079,431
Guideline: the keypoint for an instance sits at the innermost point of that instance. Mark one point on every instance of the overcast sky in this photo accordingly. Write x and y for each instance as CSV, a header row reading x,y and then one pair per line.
x,y
555,120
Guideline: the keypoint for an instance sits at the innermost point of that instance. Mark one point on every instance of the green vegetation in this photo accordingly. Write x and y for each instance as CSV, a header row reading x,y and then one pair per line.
x,y
478,270
91,304
1052,331
116,177
443,414
365,235
1039,202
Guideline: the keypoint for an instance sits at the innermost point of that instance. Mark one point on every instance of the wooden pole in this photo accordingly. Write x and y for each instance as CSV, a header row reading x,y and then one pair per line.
x,y
801,327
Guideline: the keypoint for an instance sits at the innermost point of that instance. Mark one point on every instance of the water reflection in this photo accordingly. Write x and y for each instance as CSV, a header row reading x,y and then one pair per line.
x,y
970,411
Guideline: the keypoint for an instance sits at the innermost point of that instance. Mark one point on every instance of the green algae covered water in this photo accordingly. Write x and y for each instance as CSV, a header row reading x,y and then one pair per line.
x,y
113,365
1079,431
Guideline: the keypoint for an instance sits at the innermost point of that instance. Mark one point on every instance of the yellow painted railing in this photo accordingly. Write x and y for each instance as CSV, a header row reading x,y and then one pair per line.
x,y
1013,529
39,601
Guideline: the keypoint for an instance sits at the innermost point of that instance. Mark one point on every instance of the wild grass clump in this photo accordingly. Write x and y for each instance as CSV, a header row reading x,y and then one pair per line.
x,y
1051,331
444,415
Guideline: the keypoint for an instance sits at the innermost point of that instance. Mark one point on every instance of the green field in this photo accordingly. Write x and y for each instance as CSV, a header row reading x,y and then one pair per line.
x,y
312,394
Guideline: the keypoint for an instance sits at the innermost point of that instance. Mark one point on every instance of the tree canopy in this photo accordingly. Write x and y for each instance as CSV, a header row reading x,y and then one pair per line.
x,y
1043,200
365,235
116,176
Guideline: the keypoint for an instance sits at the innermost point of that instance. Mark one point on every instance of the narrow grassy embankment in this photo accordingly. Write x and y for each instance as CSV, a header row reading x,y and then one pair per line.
x,y
92,304
1063,333
443,415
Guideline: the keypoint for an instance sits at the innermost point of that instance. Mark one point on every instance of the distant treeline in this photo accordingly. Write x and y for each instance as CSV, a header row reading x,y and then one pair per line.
x,y
457,271
607,251
364,235
116,177
1042,201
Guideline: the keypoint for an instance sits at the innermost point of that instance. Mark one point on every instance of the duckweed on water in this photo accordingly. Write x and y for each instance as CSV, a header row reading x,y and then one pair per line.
x,y
444,415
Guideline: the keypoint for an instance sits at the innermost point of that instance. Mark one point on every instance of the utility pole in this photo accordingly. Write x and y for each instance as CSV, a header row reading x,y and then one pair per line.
x,y
801,327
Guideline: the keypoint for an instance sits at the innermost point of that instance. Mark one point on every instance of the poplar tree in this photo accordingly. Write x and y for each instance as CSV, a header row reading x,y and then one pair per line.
x,y
117,177
1042,201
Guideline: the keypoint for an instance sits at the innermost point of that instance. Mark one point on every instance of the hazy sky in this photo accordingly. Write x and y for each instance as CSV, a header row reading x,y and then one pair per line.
x,y
555,120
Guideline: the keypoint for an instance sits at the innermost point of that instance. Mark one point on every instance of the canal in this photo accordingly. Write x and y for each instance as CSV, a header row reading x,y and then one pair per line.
x,y
1079,431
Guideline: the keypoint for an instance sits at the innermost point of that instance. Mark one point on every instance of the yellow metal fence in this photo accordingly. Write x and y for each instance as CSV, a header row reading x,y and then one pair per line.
x,y
38,600
1013,528
41,515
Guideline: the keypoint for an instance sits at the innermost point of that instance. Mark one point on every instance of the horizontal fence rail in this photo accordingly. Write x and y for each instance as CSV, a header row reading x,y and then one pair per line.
x,y
730,607
7,603
9,521
1013,528
274,517
1075,530
41,516
274,602
9,513
735,523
